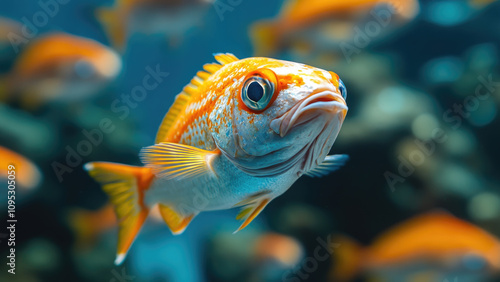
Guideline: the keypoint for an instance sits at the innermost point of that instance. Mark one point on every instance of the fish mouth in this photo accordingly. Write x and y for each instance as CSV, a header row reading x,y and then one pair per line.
x,y
320,102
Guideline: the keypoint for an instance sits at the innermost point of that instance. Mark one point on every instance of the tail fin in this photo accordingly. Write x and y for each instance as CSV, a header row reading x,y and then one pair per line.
x,y
125,185
114,26
265,38
348,259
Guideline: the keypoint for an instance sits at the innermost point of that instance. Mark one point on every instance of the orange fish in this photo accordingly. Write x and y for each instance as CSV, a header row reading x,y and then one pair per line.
x,y
170,17
300,21
239,135
435,244
60,67
27,174
8,30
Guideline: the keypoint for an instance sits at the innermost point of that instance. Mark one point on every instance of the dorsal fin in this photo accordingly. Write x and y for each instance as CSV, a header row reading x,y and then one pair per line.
x,y
190,90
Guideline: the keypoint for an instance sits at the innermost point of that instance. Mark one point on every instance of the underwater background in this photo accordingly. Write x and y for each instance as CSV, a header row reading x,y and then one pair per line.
x,y
419,136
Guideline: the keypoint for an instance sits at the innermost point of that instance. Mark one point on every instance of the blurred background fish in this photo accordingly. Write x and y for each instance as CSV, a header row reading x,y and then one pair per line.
x,y
196,148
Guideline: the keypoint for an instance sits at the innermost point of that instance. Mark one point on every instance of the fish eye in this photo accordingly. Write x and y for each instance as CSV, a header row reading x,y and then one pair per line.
x,y
257,92
343,89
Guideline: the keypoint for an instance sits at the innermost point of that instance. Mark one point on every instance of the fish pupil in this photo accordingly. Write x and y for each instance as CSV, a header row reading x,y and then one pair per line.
x,y
255,91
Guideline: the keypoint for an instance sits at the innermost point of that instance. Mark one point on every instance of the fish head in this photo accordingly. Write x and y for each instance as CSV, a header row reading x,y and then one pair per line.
x,y
285,116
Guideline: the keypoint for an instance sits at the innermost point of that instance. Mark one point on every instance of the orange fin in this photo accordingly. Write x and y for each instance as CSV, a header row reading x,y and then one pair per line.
x,y
330,164
125,185
190,90
178,161
252,206
175,221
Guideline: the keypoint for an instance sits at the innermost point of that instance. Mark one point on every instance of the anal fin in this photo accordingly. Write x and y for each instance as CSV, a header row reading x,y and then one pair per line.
x,y
175,221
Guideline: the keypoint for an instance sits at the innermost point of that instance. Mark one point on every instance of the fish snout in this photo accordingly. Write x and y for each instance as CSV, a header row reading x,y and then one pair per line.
x,y
321,102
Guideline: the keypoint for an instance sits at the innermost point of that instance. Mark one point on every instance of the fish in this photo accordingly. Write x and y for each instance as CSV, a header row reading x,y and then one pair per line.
x,y
27,176
238,135
59,67
302,23
170,17
434,244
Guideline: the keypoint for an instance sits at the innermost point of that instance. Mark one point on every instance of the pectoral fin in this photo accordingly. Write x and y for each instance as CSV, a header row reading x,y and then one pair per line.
x,y
178,161
252,206
330,164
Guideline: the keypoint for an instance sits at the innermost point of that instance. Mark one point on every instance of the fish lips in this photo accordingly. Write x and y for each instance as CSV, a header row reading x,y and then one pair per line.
x,y
321,102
